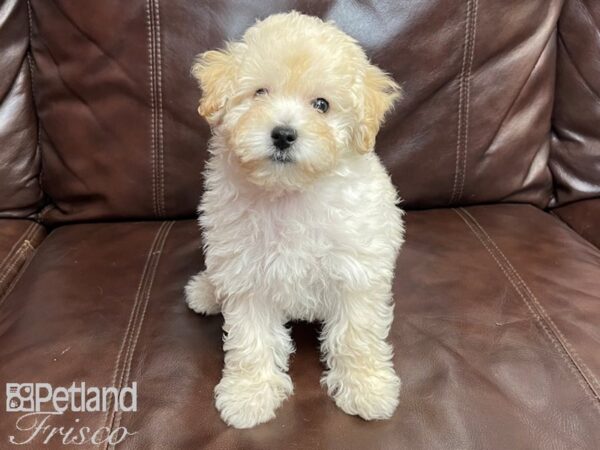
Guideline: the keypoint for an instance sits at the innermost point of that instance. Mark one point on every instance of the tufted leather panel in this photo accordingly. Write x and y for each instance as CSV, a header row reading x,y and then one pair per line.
x,y
121,137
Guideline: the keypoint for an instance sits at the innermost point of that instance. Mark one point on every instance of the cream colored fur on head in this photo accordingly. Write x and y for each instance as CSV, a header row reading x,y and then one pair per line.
x,y
309,230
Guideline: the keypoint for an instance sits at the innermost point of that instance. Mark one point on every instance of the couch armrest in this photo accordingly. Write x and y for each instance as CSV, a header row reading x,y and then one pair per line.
x,y
584,217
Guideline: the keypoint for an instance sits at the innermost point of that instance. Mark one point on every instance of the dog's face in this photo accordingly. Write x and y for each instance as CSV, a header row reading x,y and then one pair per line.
x,y
292,99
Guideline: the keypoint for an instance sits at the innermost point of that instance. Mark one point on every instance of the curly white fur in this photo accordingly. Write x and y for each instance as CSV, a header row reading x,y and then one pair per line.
x,y
315,239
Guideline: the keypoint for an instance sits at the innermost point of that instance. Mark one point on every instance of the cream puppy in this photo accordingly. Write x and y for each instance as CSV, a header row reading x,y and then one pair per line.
x,y
299,217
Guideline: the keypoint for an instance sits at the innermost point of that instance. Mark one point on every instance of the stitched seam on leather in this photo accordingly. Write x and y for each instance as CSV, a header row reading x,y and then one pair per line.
x,y
464,80
155,69
18,255
467,102
150,38
574,369
30,34
161,163
571,352
38,147
21,258
15,245
146,298
17,277
537,317
117,373
460,107
38,236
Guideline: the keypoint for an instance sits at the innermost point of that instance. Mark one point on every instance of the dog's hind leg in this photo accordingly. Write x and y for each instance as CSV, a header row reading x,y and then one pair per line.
x,y
200,295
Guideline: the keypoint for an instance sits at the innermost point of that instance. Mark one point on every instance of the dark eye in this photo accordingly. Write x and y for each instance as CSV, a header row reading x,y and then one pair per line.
x,y
320,104
261,91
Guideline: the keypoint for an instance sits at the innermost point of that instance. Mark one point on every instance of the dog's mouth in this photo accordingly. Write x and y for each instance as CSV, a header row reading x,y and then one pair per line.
x,y
281,156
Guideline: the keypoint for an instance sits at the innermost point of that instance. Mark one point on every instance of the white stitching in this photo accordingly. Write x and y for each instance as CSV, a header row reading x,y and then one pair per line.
x,y
13,258
553,339
160,167
460,104
150,46
18,256
541,309
19,274
464,85
131,321
146,297
15,245
468,101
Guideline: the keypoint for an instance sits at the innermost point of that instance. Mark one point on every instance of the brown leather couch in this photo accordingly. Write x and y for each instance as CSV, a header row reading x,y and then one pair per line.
x,y
495,150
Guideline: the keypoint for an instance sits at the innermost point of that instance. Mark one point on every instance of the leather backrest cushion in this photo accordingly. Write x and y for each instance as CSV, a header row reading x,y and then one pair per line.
x,y
575,157
121,136
20,191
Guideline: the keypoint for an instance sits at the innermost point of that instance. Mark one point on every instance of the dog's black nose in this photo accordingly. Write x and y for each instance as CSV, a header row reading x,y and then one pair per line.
x,y
283,137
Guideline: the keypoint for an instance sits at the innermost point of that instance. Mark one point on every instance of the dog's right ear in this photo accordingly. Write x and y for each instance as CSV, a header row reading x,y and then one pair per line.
x,y
216,72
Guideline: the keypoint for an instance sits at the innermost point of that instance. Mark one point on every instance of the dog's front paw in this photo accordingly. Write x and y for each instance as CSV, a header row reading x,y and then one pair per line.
x,y
200,295
372,395
244,401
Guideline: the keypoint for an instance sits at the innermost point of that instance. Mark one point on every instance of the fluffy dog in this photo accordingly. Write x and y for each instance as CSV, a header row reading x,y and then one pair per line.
x,y
299,216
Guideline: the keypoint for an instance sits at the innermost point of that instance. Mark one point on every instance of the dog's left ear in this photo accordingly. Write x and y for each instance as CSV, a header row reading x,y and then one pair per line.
x,y
378,93
216,72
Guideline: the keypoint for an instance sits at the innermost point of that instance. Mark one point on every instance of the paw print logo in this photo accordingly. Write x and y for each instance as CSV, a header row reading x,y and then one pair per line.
x,y
19,397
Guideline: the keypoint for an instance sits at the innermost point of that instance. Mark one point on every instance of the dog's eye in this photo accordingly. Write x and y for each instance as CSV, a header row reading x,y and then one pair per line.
x,y
320,104
261,91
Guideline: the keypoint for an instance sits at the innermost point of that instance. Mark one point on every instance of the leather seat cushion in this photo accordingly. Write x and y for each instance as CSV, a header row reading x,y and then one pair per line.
x,y
495,333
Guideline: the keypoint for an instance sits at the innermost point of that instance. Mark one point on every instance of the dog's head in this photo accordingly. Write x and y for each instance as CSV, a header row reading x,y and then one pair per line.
x,y
293,98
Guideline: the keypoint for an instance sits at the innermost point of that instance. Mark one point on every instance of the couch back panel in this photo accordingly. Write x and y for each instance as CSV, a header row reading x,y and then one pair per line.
x,y
20,191
575,158
122,139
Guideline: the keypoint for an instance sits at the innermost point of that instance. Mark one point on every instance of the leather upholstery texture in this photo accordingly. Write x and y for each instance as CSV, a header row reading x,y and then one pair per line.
x,y
20,192
473,127
18,241
495,333
494,148
575,161
584,217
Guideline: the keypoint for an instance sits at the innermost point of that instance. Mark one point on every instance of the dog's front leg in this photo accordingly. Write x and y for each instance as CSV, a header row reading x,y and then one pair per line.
x,y
257,347
360,375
